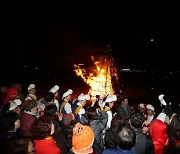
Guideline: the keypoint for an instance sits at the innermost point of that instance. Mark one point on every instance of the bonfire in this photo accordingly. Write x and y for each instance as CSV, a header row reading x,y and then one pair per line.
x,y
99,82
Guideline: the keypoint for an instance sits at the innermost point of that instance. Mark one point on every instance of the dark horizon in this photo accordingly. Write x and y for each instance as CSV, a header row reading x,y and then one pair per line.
x,y
42,40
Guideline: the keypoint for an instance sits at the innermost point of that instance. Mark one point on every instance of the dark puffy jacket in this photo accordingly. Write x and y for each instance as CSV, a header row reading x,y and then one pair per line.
x,y
144,143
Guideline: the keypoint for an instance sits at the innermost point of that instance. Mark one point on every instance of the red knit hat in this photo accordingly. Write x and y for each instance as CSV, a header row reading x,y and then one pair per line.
x,y
12,91
11,95
83,138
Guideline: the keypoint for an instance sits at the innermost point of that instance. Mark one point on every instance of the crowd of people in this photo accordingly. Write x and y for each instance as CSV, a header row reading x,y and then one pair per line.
x,y
49,125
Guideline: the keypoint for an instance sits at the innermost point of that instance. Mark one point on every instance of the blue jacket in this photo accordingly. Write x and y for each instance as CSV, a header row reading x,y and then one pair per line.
x,y
119,151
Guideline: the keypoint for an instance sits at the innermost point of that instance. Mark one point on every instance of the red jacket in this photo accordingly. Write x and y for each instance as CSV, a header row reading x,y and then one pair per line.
x,y
159,136
46,146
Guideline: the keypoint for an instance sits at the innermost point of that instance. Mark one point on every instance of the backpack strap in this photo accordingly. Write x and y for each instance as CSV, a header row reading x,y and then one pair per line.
x,y
78,109
62,106
106,109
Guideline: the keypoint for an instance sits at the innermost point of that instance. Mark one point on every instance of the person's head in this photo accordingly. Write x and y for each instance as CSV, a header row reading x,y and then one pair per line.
x,y
150,110
31,89
18,86
82,139
125,137
49,97
19,146
12,92
117,121
42,127
91,114
83,98
54,90
110,99
124,100
50,109
165,103
3,89
142,108
15,106
175,128
136,120
9,122
67,95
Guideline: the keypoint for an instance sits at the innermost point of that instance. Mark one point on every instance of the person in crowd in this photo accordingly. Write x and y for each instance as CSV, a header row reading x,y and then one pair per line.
x,y
124,109
9,125
18,86
144,143
51,109
82,139
173,145
77,108
32,91
15,106
158,132
19,146
12,106
12,94
43,102
125,138
27,116
54,90
108,105
142,109
97,121
67,125
150,113
65,107
165,103
116,122
42,130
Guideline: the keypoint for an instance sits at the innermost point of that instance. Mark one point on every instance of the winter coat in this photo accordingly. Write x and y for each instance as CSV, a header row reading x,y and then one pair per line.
x,y
123,113
158,129
144,143
98,126
26,122
46,146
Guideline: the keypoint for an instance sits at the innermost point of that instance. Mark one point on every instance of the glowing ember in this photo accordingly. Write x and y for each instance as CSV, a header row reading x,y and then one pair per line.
x,y
100,84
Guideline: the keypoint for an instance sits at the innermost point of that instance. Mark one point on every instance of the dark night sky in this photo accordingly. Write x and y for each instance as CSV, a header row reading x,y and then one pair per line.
x,y
49,34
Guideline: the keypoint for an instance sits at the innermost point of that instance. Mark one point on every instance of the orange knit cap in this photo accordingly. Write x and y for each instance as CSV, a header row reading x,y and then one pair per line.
x,y
83,138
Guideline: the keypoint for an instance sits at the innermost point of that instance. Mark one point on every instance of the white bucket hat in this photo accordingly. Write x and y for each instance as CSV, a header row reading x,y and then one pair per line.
x,y
69,92
14,104
31,86
83,97
149,106
54,89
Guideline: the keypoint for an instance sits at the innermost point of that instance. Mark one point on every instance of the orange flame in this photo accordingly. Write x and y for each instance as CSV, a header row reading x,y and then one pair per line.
x,y
100,84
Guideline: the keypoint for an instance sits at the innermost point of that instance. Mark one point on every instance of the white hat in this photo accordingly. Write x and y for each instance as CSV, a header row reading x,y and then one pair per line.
x,y
141,105
161,116
149,106
111,98
162,101
31,86
54,89
14,104
69,92
83,97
